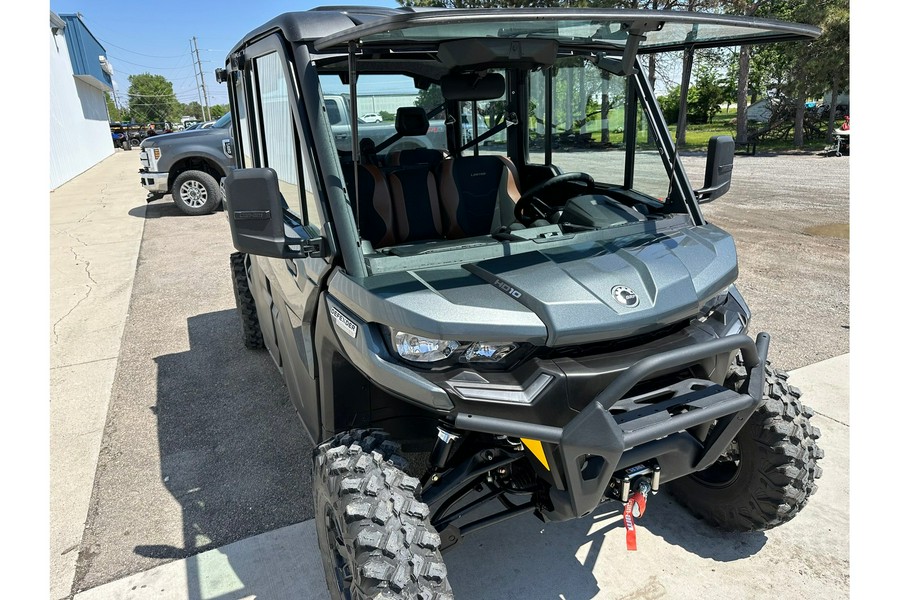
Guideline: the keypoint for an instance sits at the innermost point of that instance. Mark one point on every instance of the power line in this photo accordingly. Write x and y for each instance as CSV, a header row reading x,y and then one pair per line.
x,y
138,53
140,65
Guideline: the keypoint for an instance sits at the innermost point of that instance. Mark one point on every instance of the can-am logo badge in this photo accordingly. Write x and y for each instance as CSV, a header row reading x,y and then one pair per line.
x,y
625,295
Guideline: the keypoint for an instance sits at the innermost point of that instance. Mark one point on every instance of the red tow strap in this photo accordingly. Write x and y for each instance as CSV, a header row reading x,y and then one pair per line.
x,y
634,508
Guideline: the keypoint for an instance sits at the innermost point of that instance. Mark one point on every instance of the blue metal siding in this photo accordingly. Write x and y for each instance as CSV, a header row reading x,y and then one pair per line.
x,y
84,50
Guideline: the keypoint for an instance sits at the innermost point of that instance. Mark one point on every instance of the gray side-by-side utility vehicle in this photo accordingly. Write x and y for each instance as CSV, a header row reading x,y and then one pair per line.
x,y
537,315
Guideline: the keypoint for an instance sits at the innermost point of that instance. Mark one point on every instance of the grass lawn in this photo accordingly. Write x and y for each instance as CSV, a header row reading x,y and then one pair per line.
x,y
697,135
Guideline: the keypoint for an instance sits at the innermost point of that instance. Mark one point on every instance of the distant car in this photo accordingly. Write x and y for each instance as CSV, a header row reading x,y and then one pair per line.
x,y
192,126
372,118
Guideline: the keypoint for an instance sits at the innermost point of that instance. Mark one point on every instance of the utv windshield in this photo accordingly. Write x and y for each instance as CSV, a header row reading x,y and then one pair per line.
x,y
663,30
583,129
514,132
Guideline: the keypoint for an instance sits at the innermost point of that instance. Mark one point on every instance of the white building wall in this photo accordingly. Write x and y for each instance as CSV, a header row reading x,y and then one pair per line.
x,y
79,125
389,103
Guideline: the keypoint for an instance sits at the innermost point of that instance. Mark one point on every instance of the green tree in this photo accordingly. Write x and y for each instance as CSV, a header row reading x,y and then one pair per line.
x,y
430,97
831,67
218,110
115,114
192,109
708,94
151,98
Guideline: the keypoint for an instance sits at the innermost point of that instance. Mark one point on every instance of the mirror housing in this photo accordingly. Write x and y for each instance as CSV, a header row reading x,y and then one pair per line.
x,y
256,215
719,165
469,86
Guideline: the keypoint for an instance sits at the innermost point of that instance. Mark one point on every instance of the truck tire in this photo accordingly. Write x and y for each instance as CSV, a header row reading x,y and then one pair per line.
x,y
246,306
769,472
196,193
374,533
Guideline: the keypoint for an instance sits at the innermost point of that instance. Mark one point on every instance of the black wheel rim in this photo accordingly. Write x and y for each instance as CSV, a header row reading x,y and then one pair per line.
x,y
725,471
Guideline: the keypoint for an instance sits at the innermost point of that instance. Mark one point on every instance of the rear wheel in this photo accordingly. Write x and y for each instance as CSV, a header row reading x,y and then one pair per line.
x,y
768,473
374,533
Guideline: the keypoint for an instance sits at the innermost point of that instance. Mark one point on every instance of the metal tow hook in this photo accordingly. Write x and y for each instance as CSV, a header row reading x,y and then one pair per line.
x,y
635,508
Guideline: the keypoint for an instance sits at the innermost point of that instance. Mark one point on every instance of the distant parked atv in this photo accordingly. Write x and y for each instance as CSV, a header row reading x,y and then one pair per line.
x,y
547,321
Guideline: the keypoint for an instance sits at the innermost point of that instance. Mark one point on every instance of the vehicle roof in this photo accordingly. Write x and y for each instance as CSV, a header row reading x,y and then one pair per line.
x,y
335,26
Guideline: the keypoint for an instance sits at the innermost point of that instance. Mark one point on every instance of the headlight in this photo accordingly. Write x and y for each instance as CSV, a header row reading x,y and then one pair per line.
x,y
421,349
416,348
488,352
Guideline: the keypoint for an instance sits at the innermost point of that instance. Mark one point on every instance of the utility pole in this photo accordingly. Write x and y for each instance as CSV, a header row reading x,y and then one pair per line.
x,y
201,84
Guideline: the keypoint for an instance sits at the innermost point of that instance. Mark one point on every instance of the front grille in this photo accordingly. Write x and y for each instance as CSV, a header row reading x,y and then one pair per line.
x,y
613,345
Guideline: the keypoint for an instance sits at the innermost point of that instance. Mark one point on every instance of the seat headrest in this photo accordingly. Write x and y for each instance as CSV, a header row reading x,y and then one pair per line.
x,y
411,120
416,156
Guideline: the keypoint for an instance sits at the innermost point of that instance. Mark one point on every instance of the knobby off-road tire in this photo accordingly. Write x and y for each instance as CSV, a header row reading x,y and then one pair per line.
x,y
246,306
374,534
196,193
775,469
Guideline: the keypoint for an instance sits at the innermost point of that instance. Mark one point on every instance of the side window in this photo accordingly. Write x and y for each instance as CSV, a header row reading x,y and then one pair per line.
x,y
334,113
279,139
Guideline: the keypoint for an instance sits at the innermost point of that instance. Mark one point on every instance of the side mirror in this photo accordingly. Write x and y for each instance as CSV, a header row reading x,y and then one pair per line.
x,y
256,215
719,164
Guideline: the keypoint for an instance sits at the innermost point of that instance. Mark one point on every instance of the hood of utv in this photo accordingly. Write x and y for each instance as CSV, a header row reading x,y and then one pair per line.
x,y
576,294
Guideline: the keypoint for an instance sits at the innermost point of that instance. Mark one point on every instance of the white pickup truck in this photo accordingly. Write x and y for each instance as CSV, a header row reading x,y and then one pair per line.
x,y
339,117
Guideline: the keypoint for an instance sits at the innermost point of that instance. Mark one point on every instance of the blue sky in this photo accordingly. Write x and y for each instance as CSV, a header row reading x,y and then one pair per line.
x,y
153,36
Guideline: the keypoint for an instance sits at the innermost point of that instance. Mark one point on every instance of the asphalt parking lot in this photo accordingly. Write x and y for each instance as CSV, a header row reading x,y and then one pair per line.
x,y
201,448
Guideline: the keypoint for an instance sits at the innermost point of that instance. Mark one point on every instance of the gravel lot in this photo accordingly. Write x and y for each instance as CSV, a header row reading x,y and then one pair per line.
x,y
790,218
201,446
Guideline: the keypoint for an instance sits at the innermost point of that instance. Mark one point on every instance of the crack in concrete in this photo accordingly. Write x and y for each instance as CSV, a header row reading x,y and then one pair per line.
x,y
838,421
87,266
90,288
103,204
74,237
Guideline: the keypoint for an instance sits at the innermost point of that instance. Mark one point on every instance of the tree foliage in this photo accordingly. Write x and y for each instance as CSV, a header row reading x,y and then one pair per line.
x,y
704,98
115,113
151,98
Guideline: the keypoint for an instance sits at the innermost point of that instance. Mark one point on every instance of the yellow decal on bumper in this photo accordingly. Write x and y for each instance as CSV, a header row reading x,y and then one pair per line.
x,y
538,450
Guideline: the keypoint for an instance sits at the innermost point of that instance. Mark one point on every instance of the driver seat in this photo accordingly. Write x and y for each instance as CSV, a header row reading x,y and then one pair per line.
x,y
477,195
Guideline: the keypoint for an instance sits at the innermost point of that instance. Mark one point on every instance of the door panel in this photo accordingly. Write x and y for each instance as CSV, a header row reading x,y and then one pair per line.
x,y
293,289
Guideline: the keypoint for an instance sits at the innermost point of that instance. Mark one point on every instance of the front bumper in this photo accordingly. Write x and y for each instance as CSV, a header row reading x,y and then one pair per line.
x,y
614,432
155,183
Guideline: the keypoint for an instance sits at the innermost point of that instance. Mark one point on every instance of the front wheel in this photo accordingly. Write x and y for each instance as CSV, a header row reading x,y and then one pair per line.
x,y
196,193
374,533
246,305
768,473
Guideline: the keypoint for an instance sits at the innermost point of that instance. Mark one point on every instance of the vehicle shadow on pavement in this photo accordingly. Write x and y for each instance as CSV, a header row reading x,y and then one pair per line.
x,y
525,558
159,209
232,450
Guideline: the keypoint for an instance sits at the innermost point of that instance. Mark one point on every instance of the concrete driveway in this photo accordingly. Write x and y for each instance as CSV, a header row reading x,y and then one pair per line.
x,y
178,468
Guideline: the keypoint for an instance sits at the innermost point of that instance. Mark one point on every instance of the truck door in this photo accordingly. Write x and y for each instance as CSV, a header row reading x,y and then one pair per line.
x,y
286,291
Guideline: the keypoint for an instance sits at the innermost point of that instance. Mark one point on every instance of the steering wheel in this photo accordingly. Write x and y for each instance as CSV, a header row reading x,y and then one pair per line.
x,y
530,200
